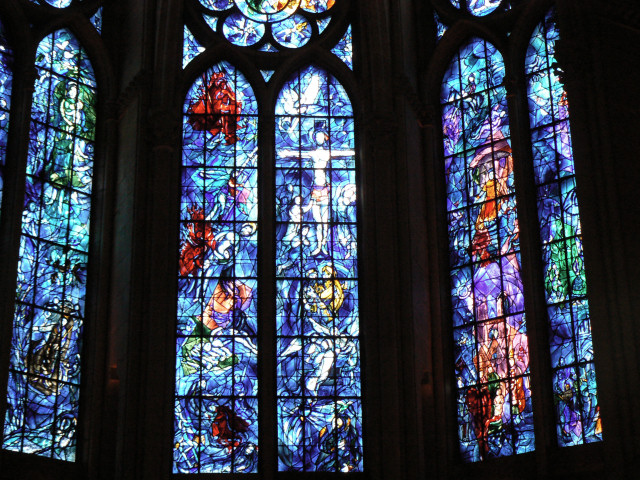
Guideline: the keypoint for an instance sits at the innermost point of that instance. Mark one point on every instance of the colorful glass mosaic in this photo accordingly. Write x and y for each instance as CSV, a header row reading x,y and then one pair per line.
x,y
291,24
216,404
44,372
494,409
574,380
6,80
319,406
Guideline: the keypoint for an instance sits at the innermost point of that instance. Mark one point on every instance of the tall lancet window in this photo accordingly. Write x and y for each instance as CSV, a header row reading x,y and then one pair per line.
x,y
319,401
250,190
6,80
217,349
44,377
565,284
495,416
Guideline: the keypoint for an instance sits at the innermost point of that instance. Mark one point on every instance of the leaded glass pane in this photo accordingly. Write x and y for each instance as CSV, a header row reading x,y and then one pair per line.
x,y
6,80
494,409
575,390
44,374
216,407
319,404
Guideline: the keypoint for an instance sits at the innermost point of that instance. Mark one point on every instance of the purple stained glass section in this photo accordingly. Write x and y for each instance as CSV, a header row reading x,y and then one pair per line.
x,y
44,372
319,406
6,81
575,389
495,417
216,404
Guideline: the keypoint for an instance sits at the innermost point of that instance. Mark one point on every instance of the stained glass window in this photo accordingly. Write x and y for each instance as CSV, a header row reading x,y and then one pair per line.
x,y
44,373
6,79
290,24
216,406
494,407
574,380
316,330
318,380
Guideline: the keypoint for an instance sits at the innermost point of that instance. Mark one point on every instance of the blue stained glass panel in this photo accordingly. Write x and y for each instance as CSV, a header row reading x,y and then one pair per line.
x,y
44,383
495,415
267,74
217,5
96,20
482,7
577,409
344,48
216,409
323,23
292,32
242,31
6,80
441,28
191,47
317,320
59,3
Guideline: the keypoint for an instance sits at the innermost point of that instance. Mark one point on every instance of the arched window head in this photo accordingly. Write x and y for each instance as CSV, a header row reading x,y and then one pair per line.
x,y
217,336
319,404
494,410
565,283
44,373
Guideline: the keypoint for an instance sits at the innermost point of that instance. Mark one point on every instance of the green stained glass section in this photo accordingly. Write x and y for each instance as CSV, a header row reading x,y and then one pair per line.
x,y
574,380
44,372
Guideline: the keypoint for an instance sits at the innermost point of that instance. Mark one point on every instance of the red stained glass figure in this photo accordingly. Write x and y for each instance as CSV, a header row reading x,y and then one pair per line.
x,y
228,427
216,109
199,239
